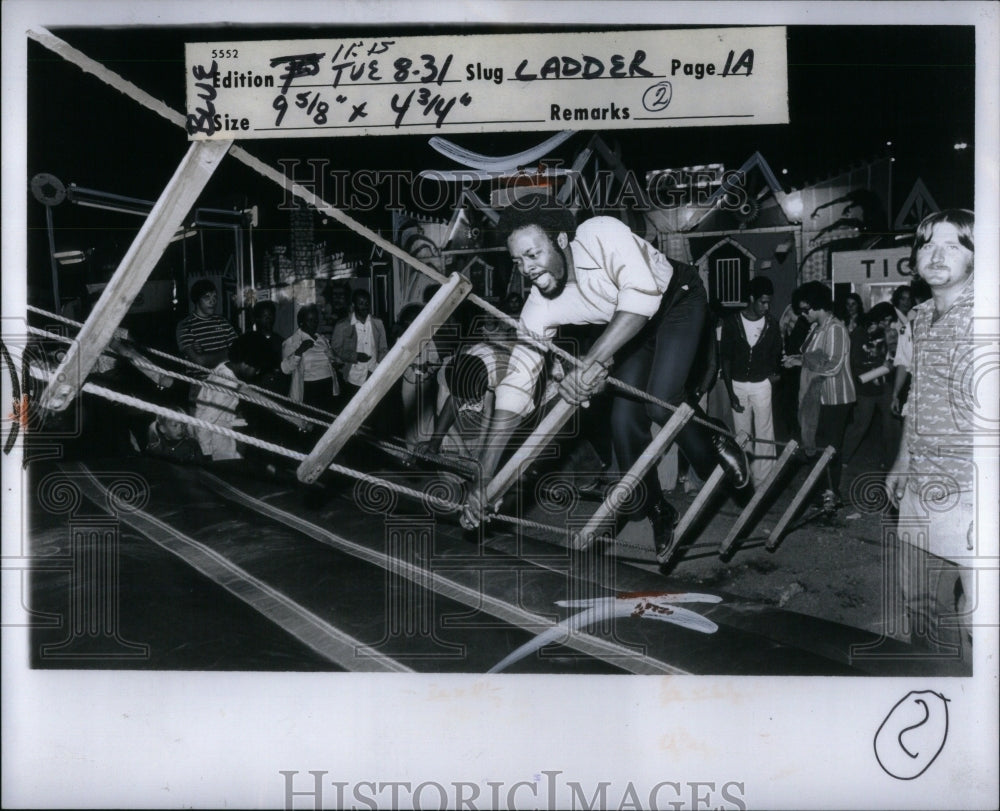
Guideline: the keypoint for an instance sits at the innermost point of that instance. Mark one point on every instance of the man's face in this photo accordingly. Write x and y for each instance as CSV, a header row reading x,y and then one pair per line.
x,y
206,304
944,262
338,301
513,303
362,307
539,259
265,319
905,301
760,306
808,312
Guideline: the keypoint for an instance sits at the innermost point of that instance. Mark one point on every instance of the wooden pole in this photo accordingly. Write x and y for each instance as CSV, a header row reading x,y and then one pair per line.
x,y
543,434
698,506
633,478
530,449
578,165
775,537
692,513
758,497
194,171
392,366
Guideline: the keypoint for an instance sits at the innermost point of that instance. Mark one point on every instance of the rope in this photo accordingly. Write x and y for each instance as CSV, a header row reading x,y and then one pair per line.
x,y
123,335
269,399
187,419
141,363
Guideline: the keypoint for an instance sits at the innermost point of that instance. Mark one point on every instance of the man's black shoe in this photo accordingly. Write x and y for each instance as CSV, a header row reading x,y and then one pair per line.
x,y
663,517
733,460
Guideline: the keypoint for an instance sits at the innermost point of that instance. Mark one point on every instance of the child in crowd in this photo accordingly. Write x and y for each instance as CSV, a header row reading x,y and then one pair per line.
x,y
217,404
171,439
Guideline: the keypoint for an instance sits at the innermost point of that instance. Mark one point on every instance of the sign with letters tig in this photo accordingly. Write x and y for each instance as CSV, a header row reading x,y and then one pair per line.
x,y
882,265
487,83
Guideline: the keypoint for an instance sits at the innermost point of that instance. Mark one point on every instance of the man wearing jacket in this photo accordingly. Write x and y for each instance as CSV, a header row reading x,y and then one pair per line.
x,y
751,349
360,342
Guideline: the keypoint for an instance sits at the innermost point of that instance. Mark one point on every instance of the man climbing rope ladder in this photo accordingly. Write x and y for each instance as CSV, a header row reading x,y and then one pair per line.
x,y
654,309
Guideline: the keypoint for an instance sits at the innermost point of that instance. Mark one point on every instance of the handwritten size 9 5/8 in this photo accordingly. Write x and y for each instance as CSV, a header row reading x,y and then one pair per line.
x,y
309,101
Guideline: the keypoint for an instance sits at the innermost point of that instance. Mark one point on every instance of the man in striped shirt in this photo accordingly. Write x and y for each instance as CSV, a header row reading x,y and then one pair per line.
x,y
204,337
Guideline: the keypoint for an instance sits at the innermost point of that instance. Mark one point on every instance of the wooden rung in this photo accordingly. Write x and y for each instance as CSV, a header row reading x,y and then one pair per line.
x,y
759,494
633,478
697,507
533,446
179,195
530,449
699,504
775,537
388,371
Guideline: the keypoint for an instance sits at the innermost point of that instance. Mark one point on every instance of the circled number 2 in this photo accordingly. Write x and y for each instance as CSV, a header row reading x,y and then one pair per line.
x,y
657,97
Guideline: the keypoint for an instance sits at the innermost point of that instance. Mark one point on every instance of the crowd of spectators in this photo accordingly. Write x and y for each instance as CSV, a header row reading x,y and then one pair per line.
x,y
825,373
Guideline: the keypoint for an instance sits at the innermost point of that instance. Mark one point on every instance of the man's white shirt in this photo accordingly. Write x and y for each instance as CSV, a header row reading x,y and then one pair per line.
x,y
615,271
360,371
753,329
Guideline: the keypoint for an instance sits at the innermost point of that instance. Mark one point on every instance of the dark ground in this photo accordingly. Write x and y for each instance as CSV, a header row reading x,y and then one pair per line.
x,y
825,566
830,566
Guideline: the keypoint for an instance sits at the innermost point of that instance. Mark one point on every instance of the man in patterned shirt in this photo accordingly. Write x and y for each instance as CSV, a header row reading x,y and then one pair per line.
x,y
653,310
933,479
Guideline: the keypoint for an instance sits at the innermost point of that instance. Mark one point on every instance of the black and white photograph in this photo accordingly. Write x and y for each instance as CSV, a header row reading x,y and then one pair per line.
x,y
500,405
